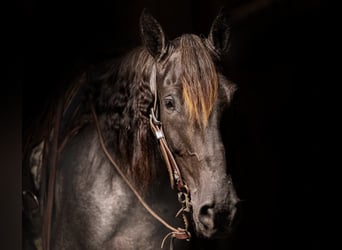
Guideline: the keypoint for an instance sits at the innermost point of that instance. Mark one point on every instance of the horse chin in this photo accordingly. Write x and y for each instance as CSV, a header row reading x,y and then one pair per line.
x,y
223,232
223,229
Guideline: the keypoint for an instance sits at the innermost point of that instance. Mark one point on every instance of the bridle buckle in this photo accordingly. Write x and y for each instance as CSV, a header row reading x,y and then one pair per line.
x,y
154,118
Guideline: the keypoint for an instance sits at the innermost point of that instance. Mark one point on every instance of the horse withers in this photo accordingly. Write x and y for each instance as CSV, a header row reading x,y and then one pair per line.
x,y
158,111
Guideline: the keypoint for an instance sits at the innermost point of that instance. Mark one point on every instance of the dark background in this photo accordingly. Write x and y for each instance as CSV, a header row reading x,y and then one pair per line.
x,y
274,146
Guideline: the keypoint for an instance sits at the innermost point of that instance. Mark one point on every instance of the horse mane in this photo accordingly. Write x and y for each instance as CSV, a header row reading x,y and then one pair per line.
x,y
125,100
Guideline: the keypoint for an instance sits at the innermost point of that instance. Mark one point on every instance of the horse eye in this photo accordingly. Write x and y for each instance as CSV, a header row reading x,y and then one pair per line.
x,y
169,103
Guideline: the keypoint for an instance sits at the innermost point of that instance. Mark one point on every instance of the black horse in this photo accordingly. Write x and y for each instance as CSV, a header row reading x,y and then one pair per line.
x,y
150,118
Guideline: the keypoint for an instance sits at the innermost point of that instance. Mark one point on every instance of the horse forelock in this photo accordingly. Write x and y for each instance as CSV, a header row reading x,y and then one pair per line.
x,y
198,78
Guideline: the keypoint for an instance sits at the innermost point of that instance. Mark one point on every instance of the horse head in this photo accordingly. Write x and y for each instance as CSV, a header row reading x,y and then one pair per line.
x,y
192,94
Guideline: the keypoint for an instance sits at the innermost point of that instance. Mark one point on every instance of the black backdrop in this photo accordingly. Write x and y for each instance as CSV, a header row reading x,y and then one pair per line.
x,y
274,147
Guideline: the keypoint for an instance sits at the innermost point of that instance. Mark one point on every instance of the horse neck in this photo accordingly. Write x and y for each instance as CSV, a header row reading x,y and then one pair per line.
x,y
122,155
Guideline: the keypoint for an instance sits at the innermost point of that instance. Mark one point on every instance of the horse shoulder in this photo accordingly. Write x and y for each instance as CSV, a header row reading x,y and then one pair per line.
x,y
90,196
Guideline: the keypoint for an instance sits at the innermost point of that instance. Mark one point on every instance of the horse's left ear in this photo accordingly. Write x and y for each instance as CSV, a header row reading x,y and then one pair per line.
x,y
219,35
152,35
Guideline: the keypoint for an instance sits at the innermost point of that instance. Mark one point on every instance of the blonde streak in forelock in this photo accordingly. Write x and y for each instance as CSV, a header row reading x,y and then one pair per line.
x,y
199,88
207,103
189,101
199,105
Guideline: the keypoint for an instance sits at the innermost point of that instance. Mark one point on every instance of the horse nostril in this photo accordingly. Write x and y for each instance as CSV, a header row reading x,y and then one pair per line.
x,y
206,210
206,216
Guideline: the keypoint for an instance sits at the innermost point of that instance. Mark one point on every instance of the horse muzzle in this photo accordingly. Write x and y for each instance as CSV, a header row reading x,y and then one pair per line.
x,y
213,222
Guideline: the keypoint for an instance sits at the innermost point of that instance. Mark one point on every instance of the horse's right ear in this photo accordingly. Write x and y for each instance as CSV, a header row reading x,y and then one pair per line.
x,y
219,35
152,35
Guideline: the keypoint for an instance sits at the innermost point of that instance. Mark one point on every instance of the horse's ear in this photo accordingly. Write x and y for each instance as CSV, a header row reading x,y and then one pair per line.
x,y
219,35
152,35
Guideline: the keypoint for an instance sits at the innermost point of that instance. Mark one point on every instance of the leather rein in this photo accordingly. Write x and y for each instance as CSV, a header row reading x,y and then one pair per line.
x,y
183,194
172,167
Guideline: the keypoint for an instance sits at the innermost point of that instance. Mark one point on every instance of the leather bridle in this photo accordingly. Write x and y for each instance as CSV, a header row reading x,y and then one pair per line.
x,y
172,167
183,195
156,126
